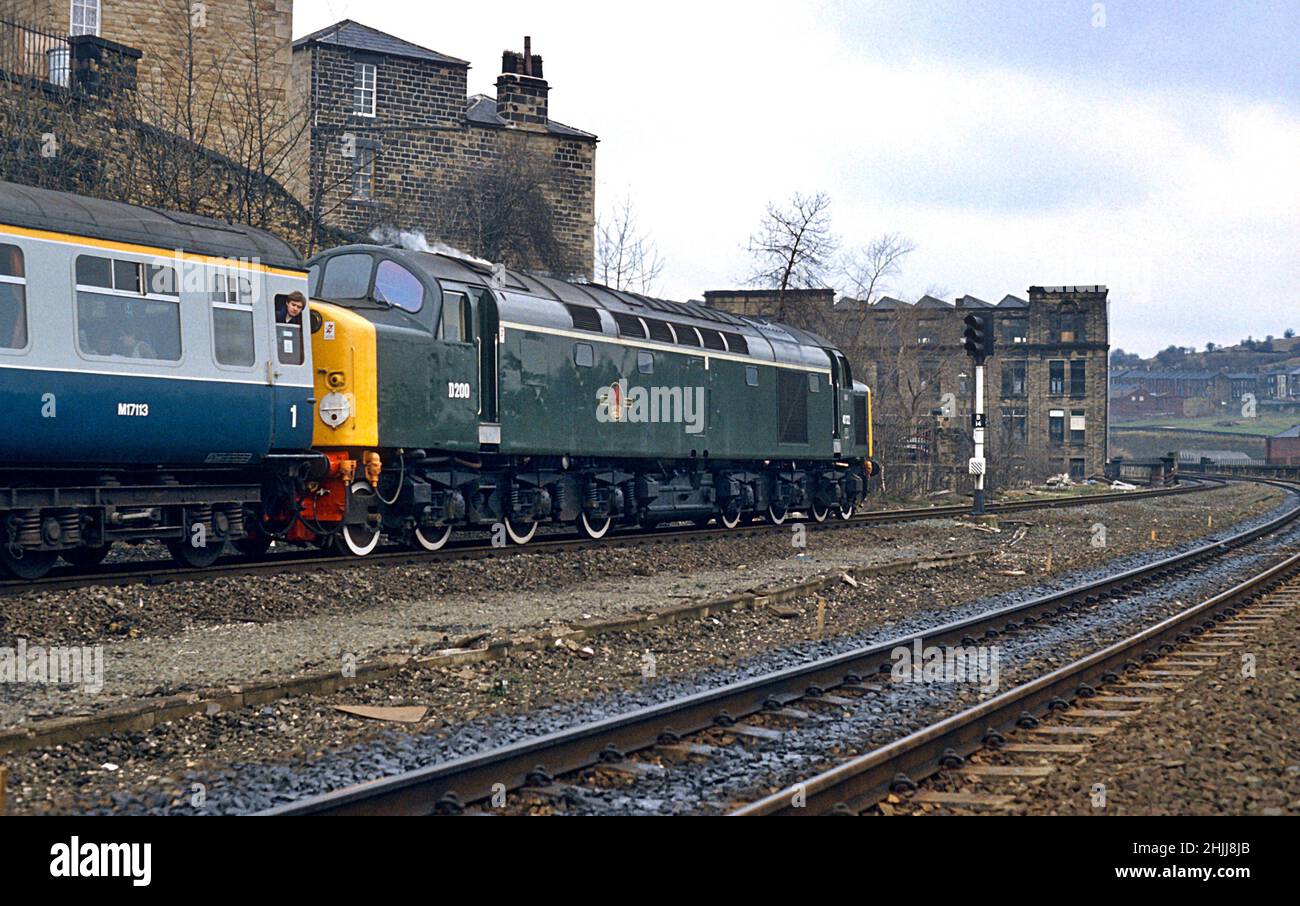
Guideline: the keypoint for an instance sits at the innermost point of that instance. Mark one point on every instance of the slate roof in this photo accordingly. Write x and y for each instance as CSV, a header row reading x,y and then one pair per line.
x,y
1010,301
482,109
356,36
1293,431
972,302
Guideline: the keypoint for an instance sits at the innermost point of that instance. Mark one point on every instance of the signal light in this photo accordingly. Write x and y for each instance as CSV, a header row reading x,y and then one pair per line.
x,y
978,335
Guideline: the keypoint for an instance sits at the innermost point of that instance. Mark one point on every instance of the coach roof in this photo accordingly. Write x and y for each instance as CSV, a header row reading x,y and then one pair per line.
x,y
113,221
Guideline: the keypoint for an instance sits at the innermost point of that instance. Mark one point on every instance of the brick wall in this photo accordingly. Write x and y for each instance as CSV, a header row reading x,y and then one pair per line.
x,y
427,154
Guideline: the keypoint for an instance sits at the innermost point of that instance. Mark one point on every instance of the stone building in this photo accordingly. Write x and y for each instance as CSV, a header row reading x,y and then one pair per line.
x,y
1045,397
1284,449
398,143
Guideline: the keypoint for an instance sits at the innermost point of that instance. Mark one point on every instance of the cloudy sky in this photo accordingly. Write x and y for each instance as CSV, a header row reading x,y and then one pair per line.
x,y
1150,146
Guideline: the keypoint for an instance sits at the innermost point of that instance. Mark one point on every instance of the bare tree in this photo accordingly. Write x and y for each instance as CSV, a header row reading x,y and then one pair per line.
x,y
794,246
869,270
626,258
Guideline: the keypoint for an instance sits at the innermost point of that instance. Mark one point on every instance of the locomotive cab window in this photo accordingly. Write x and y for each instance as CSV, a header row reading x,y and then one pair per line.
x,y
456,318
288,336
231,296
346,277
397,286
13,298
120,316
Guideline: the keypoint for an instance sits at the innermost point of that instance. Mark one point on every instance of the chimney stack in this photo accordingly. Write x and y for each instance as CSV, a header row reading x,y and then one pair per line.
x,y
521,90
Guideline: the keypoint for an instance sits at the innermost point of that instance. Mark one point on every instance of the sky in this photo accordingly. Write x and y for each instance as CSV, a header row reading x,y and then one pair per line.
x,y
1153,147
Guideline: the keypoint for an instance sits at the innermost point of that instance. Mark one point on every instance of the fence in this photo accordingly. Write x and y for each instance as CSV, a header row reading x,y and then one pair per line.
x,y
27,53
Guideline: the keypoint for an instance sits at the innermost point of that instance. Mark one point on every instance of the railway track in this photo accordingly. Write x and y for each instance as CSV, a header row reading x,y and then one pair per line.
x,y
155,572
798,692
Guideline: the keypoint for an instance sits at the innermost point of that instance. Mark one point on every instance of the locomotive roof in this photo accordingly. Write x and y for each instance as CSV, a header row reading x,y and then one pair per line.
x,y
473,271
96,218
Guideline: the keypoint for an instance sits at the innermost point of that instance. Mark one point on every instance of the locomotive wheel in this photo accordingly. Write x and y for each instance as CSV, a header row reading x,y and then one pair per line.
x,y
432,539
521,537
776,515
86,556
31,565
358,540
819,513
730,520
594,529
187,554
847,511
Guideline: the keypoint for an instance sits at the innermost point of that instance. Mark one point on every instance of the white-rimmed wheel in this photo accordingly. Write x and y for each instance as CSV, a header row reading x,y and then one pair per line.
x,y
359,539
522,533
594,528
819,512
433,538
846,511
730,520
776,514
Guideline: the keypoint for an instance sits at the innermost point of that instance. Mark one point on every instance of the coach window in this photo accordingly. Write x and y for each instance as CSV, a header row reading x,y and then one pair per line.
x,y
118,314
397,286
751,375
645,362
232,320
13,298
583,355
455,318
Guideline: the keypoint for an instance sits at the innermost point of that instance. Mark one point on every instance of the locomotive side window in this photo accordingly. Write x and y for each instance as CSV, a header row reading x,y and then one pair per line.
x,y
396,285
814,383
119,315
751,375
583,355
232,320
347,277
455,318
13,298
645,362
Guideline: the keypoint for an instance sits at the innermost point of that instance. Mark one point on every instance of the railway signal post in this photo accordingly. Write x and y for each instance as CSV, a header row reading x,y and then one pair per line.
x,y
978,340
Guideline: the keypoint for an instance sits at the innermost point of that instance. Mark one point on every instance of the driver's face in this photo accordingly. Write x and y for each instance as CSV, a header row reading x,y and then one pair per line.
x,y
294,307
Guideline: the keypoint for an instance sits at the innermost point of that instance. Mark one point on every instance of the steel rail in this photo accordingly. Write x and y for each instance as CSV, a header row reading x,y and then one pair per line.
x,y
859,783
164,571
451,784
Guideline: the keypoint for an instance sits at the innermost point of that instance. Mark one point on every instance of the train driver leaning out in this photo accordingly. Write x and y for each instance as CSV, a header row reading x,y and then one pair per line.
x,y
291,310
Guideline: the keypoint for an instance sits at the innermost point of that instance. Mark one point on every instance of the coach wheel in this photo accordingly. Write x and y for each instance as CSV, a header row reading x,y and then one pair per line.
x,y
359,539
819,513
846,511
26,564
730,520
594,529
186,554
519,536
432,539
86,557
776,515
254,544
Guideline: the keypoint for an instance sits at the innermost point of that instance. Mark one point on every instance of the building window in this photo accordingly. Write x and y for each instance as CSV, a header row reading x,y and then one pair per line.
x,y
1056,379
1013,379
1077,470
1068,326
1078,382
929,375
1078,426
1015,425
85,17
363,176
1056,427
363,89
13,298
1014,331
